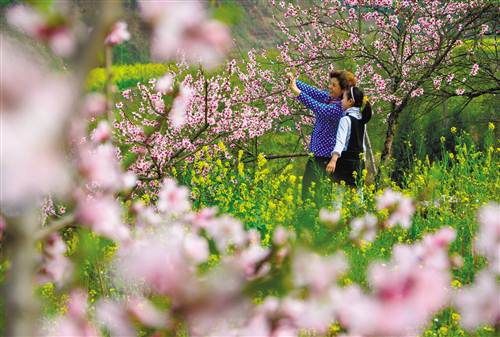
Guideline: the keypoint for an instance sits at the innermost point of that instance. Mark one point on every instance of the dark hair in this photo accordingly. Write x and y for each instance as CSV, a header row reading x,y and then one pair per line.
x,y
341,78
345,78
358,102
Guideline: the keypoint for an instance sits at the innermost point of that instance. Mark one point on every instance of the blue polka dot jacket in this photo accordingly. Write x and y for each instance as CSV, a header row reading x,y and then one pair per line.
x,y
328,112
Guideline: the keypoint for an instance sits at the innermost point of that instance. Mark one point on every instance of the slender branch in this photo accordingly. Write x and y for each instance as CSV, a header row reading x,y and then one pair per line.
x,y
55,226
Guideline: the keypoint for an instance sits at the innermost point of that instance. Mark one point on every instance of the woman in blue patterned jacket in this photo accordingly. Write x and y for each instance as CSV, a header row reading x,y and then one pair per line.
x,y
327,109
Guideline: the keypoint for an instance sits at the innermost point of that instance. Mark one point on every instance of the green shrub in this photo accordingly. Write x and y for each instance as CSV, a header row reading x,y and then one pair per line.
x,y
126,76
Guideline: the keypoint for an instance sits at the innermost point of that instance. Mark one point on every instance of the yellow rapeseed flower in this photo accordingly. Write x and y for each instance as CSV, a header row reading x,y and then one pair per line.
x,y
455,317
443,331
442,139
222,146
456,284
491,126
453,130
261,160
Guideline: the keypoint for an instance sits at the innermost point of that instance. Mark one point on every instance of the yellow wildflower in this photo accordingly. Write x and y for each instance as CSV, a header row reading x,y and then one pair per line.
x,y
456,284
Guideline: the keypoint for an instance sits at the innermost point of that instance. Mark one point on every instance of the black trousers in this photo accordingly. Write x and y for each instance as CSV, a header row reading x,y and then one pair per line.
x,y
345,169
315,173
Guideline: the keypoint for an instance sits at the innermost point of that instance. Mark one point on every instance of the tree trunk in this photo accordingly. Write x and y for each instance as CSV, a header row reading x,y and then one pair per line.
x,y
21,306
369,157
391,130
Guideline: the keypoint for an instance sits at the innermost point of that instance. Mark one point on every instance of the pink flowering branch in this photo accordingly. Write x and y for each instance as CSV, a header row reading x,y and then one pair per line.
x,y
398,47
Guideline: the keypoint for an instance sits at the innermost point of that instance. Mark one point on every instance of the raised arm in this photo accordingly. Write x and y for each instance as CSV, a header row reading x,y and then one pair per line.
x,y
321,96
333,110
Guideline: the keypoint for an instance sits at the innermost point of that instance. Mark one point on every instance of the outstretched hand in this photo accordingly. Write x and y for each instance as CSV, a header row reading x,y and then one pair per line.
x,y
292,78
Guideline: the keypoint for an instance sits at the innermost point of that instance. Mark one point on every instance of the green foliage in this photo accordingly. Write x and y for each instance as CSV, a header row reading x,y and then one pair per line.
x,y
419,133
228,12
129,53
126,76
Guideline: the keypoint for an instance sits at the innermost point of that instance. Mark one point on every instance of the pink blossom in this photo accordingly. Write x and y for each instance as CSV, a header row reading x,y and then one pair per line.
x,y
95,105
102,133
460,91
187,31
195,248
3,226
103,215
118,34
173,199
160,263
178,113
474,70
417,92
249,258
204,218
25,19
129,180
227,231
33,119
329,217
62,42
401,208
488,239
113,315
55,267
146,313
317,272
479,304
165,83
100,166
364,228
437,83
406,294
280,236
75,322
60,38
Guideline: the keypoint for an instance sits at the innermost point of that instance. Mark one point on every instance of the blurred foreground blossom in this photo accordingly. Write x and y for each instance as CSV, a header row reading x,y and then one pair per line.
x,y
364,228
173,199
34,108
479,304
74,322
165,83
488,238
55,267
227,231
317,272
183,27
401,208
100,165
118,316
50,28
329,217
102,214
407,292
178,113
162,263
94,105
118,34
